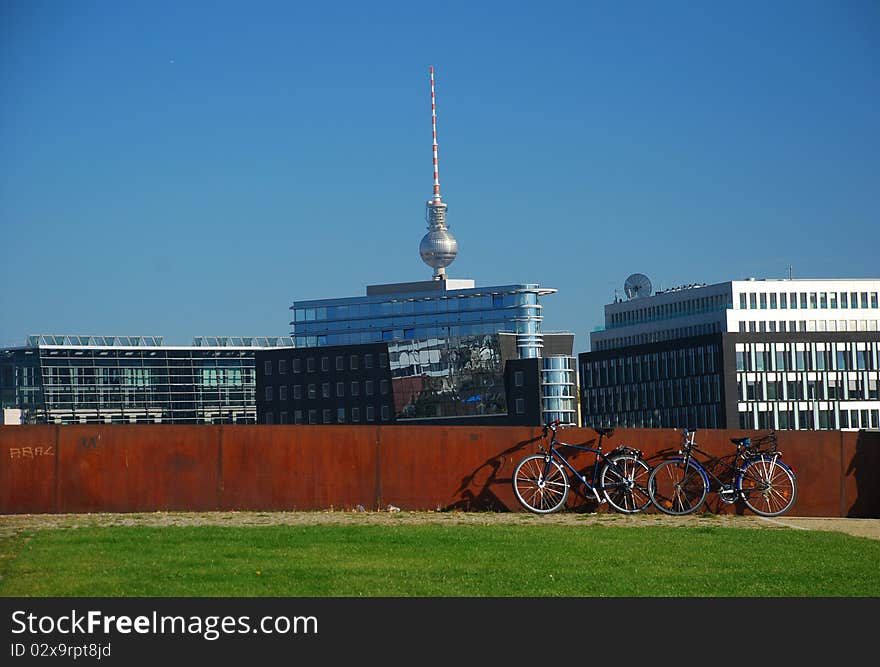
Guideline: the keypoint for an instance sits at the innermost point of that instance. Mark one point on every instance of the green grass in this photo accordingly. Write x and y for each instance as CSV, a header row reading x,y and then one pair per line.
x,y
438,561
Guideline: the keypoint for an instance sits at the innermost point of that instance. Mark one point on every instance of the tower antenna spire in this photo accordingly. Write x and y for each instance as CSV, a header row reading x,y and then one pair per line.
x,y
434,137
438,247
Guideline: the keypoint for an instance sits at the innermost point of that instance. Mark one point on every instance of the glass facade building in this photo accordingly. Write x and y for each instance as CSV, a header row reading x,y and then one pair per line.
x,y
132,379
424,310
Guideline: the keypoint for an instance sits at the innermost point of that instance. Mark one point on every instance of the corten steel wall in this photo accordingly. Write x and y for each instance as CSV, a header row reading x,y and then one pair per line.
x,y
143,468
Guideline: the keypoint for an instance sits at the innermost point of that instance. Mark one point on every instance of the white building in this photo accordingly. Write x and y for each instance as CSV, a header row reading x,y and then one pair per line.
x,y
786,354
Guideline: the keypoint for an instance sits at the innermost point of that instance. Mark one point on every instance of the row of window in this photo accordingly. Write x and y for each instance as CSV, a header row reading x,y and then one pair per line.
x,y
806,300
653,394
791,326
831,386
311,390
698,416
385,335
311,363
782,416
659,336
418,321
808,356
667,311
650,366
428,305
327,416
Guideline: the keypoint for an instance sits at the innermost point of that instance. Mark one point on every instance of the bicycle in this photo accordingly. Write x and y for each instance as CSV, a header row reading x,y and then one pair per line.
x,y
541,484
759,478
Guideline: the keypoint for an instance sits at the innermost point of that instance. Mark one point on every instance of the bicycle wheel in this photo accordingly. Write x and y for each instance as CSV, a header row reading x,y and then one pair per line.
x,y
677,490
535,491
624,482
767,485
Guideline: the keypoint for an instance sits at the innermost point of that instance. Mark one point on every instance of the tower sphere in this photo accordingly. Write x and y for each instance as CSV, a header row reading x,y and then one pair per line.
x,y
438,248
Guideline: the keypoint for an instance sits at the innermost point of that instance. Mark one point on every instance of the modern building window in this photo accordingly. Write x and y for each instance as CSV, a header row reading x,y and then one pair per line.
x,y
383,387
742,301
340,415
325,390
282,393
340,362
518,379
753,300
267,368
368,387
269,418
355,415
340,389
355,388
325,416
833,299
282,366
313,416
763,300
268,393
297,416
282,417
297,392
310,365
371,413
386,413
368,361
353,362
783,300
520,406
773,300
325,364
297,365
383,360
311,391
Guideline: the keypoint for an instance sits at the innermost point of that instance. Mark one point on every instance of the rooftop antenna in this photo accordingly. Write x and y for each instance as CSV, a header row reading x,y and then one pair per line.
x,y
790,271
438,247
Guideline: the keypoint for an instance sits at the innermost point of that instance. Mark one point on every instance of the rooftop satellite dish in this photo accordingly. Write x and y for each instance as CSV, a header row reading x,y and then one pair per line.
x,y
637,286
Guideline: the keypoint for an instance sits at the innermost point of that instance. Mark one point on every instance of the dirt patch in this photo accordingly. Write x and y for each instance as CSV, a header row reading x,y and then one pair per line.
x,y
15,523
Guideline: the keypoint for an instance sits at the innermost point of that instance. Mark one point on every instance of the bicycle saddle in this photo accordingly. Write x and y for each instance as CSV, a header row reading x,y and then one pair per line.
x,y
603,431
741,441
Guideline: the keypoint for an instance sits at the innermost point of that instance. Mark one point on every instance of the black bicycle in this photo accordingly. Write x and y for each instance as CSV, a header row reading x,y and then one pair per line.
x,y
541,483
757,476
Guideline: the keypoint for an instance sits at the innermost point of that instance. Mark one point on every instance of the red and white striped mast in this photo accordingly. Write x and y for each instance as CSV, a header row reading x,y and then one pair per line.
x,y
434,136
438,247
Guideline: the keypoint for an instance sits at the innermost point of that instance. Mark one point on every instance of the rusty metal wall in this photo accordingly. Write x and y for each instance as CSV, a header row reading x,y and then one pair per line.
x,y
143,468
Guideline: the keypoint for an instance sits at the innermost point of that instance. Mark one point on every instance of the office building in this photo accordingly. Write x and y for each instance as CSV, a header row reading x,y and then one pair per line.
x,y
750,354
62,379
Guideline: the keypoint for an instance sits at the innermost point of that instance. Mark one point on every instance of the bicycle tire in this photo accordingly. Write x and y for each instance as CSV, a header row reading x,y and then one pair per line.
x,y
677,490
536,493
767,485
624,483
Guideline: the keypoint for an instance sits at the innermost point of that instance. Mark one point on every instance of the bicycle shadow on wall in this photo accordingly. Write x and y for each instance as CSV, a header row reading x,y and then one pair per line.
x,y
484,498
486,476
865,469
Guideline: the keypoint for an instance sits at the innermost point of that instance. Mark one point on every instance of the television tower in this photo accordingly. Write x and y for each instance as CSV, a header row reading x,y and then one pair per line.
x,y
438,247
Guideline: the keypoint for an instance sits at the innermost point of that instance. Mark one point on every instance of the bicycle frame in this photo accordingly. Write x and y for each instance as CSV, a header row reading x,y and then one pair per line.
x,y
553,454
742,455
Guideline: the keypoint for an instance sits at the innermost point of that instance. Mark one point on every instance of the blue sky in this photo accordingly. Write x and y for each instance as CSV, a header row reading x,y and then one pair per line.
x,y
191,168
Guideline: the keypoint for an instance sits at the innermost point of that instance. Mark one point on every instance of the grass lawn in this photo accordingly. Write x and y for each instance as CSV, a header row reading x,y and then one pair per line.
x,y
437,561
